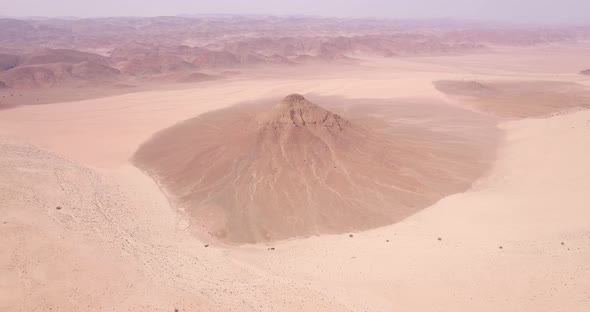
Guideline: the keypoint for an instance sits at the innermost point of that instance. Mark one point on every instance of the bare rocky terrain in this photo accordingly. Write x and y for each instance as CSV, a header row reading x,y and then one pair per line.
x,y
534,98
108,52
295,169
263,163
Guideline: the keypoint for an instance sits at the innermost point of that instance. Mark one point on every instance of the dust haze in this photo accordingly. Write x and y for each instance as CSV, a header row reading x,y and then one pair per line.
x,y
294,156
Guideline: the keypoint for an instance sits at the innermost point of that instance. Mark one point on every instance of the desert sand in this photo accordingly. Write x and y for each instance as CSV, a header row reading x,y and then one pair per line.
x,y
83,228
535,98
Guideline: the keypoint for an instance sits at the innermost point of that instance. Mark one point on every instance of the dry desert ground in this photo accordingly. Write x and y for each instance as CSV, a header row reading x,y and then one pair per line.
x,y
415,183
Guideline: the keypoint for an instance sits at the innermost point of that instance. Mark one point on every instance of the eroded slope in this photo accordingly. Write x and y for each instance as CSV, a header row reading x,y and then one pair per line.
x,y
249,174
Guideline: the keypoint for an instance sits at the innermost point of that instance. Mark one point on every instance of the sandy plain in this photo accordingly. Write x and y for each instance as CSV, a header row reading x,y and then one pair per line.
x,y
83,229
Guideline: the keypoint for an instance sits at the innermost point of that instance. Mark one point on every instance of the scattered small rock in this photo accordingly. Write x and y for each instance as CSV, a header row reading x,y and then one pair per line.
x,y
350,235
207,245
58,207
271,248
501,247
440,238
562,243
387,241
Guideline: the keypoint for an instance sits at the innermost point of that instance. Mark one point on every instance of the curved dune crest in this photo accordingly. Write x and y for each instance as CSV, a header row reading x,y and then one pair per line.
x,y
251,174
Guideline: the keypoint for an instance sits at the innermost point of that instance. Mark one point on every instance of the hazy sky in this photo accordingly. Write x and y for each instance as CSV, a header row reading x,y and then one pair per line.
x,y
512,10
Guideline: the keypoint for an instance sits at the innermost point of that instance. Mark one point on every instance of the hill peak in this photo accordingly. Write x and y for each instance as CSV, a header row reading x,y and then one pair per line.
x,y
295,110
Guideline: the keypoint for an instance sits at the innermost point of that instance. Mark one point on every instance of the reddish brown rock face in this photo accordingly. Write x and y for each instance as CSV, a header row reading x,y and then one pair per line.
x,y
249,174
